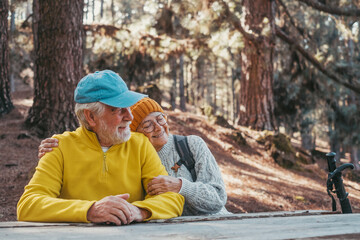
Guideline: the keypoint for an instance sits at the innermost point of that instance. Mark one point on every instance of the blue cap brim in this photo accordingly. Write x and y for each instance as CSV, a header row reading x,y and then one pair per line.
x,y
126,99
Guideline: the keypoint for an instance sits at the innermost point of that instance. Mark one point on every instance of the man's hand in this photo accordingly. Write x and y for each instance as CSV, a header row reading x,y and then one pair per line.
x,y
115,209
163,184
47,145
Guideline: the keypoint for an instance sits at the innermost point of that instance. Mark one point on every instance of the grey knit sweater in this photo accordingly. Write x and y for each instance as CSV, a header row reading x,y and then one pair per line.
x,y
205,196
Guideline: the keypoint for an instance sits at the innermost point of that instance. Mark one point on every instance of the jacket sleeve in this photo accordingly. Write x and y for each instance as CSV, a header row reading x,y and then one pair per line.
x,y
40,202
207,195
162,206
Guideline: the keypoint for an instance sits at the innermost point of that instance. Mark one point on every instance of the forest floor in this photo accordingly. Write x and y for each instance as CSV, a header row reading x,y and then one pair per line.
x,y
254,181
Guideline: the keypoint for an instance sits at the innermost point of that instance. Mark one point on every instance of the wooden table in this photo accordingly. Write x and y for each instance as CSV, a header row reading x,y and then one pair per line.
x,y
271,225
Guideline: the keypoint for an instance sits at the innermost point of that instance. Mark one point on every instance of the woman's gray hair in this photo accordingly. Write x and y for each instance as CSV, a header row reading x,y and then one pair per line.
x,y
97,108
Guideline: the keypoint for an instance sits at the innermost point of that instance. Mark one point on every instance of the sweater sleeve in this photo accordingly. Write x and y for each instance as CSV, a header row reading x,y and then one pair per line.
x,y
40,202
163,206
207,194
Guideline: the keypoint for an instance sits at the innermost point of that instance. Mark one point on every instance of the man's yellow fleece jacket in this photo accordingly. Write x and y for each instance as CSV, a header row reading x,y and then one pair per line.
x,y
68,180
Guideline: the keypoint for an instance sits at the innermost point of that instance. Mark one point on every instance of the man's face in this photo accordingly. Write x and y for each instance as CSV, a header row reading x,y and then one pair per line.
x,y
113,126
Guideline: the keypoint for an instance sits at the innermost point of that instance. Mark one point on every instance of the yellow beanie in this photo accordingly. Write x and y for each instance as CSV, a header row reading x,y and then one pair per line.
x,y
141,109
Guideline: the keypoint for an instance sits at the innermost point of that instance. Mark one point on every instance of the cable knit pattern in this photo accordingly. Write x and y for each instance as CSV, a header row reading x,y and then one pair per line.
x,y
205,196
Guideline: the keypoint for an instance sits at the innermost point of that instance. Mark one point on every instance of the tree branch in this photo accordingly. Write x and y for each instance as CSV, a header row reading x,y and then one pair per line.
x,y
315,62
330,9
235,21
26,22
300,30
107,30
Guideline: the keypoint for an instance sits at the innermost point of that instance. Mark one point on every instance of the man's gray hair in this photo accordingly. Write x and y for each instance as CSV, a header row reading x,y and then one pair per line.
x,y
97,108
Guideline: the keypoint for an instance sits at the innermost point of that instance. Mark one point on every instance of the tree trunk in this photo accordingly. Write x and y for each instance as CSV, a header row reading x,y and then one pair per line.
x,y
354,157
12,16
334,140
213,88
93,10
256,93
200,82
192,85
186,81
233,95
306,127
112,6
86,10
234,92
28,8
173,65
5,101
181,84
229,99
35,25
353,100
101,9
58,65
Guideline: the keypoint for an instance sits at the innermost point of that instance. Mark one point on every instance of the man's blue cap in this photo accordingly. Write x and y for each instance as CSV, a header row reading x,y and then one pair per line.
x,y
106,87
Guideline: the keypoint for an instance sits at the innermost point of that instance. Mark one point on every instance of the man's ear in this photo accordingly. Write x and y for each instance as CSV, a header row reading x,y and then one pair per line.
x,y
90,117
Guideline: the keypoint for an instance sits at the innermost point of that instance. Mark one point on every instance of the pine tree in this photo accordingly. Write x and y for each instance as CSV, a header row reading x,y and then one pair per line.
x,y
5,100
58,45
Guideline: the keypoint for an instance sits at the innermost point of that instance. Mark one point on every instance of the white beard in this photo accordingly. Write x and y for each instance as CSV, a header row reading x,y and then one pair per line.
x,y
112,137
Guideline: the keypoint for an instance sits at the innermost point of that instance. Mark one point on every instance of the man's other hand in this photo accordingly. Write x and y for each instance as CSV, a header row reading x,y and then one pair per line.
x,y
115,209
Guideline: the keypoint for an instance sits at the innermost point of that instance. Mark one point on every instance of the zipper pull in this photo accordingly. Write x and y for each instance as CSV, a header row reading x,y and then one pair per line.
x,y
105,167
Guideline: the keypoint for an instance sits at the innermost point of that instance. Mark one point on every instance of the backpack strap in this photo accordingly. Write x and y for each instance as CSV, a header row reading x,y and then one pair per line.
x,y
186,156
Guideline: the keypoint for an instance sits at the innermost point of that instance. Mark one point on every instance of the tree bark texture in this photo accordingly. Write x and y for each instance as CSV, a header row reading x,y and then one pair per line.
x,y
5,100
181,84
58,46
354,157
101,9
192,83
256,104
201,82
173,94
12,17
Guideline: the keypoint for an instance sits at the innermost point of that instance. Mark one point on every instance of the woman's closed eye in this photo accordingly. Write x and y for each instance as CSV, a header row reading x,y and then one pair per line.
x,y
161,120
147,124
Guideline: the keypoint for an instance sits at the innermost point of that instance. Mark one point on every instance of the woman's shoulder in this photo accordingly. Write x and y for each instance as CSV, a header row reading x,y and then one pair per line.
x,y
190,138
195,142
195,138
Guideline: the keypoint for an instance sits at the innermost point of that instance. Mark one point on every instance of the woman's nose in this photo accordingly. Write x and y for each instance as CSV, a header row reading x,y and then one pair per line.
x,y
157,126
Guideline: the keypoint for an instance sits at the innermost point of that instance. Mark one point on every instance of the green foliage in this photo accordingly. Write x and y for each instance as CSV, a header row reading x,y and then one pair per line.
x,y
21,47
282,143
305,98
283,153
238,138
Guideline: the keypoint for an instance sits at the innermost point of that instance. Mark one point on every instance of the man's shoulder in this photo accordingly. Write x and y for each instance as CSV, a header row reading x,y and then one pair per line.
x,y
138,137
139,140
138,146
68,135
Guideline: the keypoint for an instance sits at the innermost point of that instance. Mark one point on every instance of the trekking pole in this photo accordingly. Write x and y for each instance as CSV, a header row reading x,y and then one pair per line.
x,y
335,179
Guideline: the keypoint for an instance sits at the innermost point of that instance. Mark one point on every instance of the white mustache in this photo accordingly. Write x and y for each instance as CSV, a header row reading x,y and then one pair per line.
x,y
126,124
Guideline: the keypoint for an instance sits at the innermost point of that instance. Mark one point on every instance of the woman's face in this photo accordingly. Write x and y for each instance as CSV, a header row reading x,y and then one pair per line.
x,y
155,127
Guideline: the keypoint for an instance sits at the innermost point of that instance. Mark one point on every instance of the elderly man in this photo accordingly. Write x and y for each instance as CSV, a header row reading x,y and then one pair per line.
x,y
99,172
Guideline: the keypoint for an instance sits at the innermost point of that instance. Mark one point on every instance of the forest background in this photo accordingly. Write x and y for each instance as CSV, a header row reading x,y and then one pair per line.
x,y
289,67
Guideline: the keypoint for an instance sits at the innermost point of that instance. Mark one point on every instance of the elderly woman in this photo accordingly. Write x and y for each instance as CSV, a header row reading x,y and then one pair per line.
x,y
207,194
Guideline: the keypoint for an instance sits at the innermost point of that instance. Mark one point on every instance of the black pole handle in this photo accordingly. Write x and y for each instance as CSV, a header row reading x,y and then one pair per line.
x,y
341,168
331,161
345,206
334,178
